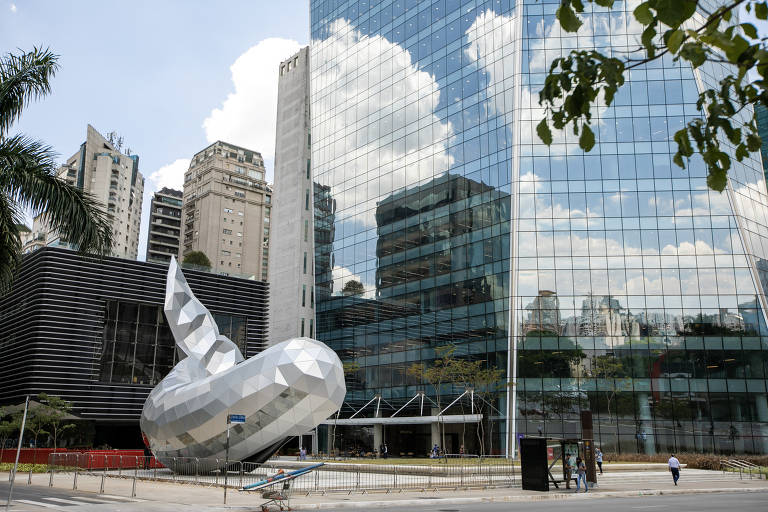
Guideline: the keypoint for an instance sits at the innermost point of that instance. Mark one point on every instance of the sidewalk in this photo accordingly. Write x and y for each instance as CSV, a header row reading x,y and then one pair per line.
x,y
159,495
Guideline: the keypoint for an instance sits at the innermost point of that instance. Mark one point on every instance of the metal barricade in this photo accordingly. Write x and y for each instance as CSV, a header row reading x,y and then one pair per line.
x,y
454,472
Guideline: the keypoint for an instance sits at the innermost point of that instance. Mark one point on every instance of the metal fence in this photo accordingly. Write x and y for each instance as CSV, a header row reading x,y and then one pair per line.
x,y
459,472
743,467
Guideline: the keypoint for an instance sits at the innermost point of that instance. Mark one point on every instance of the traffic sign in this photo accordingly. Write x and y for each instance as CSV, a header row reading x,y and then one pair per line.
x,y
236,418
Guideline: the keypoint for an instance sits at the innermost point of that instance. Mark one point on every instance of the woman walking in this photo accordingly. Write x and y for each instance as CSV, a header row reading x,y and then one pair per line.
x,y
581,474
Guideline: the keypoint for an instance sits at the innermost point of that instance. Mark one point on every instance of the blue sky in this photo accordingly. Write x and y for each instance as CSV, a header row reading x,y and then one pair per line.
x,y
155,71
170,76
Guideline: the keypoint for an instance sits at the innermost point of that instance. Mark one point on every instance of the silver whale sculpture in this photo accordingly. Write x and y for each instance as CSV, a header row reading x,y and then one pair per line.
x,y
284,391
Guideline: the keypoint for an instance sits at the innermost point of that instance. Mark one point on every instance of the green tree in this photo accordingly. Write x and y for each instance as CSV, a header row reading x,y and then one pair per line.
x,y
442,371
486,384
578,82
36,425
463,372
561,403
9,425
353,287
611,368
57,415
28,178
197,258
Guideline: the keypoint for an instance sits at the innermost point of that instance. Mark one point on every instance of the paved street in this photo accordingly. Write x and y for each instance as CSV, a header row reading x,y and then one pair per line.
x,y
743,502
51,498
623,490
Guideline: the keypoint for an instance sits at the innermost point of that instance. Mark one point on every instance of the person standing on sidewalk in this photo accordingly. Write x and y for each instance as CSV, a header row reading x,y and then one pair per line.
x,y
674,468
569,463
599,459
581,474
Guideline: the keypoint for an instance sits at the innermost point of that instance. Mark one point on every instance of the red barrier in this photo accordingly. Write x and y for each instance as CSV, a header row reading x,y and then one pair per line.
x,y
92,459
29,455
125,459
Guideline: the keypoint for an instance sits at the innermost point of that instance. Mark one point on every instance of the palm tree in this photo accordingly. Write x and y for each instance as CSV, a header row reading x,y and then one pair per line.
x,y
28,180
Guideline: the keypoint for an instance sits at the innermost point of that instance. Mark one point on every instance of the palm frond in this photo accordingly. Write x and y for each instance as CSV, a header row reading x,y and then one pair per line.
x,y
28,176
23,78
10,242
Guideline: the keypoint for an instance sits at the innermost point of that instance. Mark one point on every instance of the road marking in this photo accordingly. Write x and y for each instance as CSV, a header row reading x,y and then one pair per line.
x,y
40,504
124,498
68,502
651,506
93,500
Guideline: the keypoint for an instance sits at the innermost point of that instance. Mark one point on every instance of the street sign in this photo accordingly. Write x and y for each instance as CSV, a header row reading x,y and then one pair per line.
x,y
236,418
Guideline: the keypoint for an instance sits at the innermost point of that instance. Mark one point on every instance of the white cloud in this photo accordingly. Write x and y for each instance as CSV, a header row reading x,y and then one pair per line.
x,y
171,175
381,119
13,8
248,116
342,275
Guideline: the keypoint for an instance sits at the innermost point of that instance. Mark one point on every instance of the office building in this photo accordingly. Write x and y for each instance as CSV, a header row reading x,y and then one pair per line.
x,y
610,281
164,226
113,178
94,333
292,300
762,130
227,209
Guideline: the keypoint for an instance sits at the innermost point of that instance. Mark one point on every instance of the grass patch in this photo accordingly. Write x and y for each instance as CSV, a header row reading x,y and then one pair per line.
x,y
24,468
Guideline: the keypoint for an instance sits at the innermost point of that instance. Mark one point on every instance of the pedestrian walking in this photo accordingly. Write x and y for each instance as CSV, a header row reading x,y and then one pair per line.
x,y
581,474
599,459
674,468
385,452
570,462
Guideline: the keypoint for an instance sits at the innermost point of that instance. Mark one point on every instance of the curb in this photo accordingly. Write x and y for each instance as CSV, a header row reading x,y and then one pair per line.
x,y
516,498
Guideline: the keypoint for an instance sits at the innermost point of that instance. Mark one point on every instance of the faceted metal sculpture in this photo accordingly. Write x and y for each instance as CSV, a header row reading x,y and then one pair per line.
x,y
285,391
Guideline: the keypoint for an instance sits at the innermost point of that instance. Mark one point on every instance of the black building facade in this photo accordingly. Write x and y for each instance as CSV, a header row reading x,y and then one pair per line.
x,y
94,333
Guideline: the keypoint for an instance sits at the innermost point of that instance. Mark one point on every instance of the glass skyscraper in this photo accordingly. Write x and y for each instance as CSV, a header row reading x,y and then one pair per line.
x,y
610,281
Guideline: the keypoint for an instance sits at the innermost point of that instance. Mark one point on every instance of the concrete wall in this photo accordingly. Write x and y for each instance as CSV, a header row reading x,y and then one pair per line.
x,y
292,226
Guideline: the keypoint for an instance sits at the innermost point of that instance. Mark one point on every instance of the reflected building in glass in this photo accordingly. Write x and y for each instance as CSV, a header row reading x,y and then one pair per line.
x,y
611,281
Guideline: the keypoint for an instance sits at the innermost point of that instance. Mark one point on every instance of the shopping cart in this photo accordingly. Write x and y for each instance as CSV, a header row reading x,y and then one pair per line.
x,y
276,490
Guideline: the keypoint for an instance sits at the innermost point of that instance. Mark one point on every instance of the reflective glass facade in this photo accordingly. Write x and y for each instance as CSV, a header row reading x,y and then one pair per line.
x,y
636,292
138,347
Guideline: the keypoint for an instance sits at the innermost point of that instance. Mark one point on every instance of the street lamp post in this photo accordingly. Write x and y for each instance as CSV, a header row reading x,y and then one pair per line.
x,y
18,451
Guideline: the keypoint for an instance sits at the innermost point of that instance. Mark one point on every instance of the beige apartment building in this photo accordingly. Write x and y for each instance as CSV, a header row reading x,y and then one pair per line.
x,y
113,178
226,212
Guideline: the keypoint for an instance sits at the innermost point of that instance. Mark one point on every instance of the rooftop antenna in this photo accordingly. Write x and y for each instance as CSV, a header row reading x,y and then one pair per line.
x,y
115,139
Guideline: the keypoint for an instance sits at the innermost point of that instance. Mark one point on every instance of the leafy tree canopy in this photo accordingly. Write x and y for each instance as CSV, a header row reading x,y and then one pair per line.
x,y
28,179
353,287
55,416
578,82
197,258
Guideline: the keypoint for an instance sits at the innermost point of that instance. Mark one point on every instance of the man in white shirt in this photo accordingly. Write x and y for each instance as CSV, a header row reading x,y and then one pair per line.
x,y
599,459
674,468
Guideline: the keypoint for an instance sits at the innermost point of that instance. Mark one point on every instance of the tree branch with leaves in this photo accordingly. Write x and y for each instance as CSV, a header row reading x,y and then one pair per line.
x,y
583,79
28,178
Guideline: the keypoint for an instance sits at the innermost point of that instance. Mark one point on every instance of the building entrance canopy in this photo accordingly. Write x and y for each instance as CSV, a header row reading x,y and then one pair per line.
x,y
408,420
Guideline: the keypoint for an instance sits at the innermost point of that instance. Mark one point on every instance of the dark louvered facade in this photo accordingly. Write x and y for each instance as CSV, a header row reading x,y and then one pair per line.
x,y
93,332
